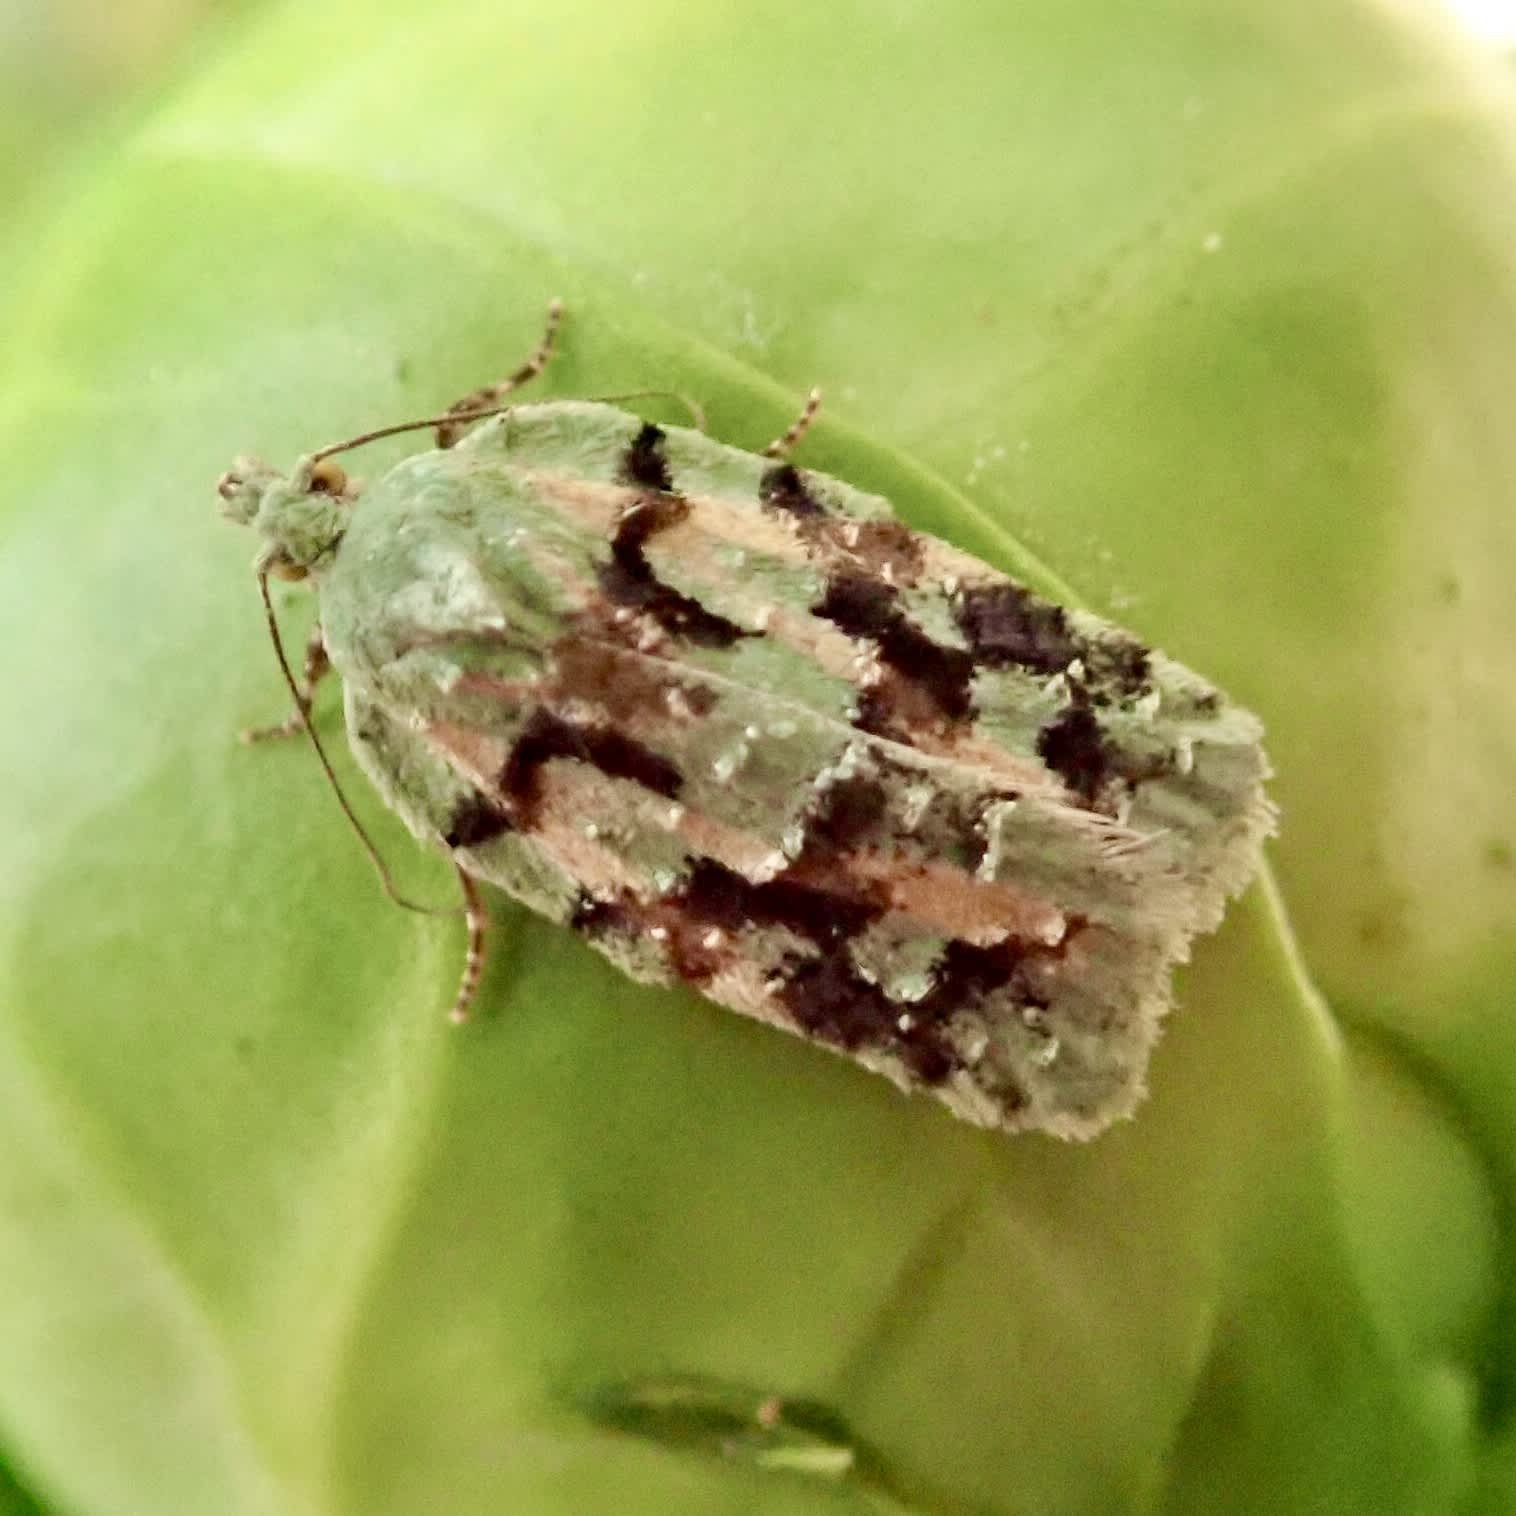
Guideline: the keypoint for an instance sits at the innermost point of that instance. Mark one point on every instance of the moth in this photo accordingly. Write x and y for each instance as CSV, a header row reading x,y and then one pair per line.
x,y
738,727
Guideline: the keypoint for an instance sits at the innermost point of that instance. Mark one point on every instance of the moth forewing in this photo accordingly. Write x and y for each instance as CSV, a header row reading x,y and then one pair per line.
x,y
741,729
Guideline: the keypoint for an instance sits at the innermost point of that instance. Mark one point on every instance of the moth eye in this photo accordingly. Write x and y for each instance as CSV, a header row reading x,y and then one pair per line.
x,y
282,568
328,477
228,484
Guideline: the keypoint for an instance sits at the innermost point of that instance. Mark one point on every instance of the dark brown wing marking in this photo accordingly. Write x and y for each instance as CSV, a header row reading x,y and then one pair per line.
x,y
1007,626
834,1003
546,737
831,1001
1074,747
716,895
628,578
889,549
477,820
644,462
866,608
849,812
1120,669
783,489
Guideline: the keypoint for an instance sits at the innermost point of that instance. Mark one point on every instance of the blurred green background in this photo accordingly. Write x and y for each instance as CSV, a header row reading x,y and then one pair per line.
x,y
1207,310
64,64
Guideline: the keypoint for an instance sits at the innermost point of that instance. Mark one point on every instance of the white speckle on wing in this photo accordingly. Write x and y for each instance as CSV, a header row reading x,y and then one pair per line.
x,y
772,866
917,801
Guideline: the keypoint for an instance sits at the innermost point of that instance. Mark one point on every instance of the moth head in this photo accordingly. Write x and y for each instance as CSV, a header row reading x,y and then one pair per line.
x,y
301,516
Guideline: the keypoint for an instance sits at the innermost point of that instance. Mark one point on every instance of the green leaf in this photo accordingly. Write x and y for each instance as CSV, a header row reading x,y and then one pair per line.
x,y
1207,312
14,1498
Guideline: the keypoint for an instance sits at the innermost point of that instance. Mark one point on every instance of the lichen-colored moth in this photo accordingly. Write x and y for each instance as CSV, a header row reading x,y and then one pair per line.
x,y
740,728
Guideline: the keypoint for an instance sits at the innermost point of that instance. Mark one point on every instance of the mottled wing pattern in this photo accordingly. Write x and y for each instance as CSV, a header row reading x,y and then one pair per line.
x,y
744,730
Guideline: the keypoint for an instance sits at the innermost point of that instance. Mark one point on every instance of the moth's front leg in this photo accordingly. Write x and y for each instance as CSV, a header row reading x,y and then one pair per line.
x,y
316,666
490,395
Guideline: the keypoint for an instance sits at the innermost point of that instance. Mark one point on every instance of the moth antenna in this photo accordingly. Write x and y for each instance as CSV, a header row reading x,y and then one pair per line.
x,y
331,778
424,424
697,414
461,417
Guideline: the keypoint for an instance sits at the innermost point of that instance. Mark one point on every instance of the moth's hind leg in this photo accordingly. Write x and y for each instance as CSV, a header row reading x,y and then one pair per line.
x,y
473,962
492,394
781,446
317,665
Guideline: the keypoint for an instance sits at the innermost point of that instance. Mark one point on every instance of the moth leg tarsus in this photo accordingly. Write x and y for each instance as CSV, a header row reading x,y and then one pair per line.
x,y
780,447
489,395
317,666
473,962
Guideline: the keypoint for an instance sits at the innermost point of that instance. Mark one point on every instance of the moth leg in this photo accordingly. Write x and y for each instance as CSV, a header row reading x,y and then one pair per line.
x,y
798,428
317,664
473,963
492,394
